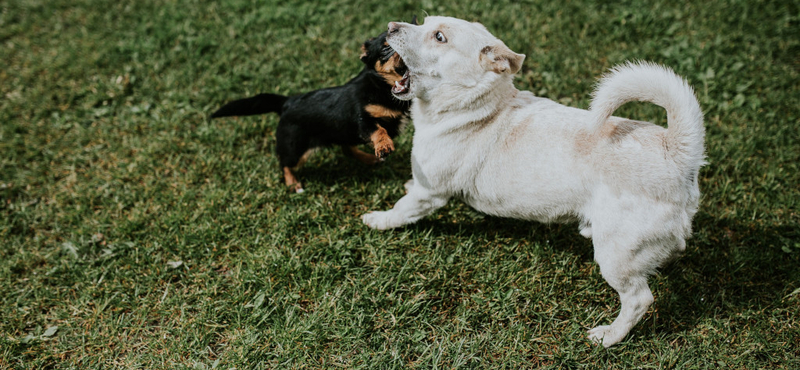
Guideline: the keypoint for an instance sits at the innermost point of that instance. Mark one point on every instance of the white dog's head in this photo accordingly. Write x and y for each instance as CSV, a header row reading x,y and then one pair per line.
x,y
449,55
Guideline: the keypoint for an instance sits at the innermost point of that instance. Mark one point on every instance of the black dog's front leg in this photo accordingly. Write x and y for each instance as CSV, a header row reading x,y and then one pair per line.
x,y
371,131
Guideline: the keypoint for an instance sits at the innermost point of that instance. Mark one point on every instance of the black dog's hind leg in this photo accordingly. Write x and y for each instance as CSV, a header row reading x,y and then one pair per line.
x,y
365,158
293,147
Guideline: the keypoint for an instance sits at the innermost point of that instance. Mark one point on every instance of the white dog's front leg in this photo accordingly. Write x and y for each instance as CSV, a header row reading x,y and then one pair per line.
x,y
418,203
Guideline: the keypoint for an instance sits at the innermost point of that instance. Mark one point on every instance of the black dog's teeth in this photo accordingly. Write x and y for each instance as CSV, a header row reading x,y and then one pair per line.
x,y
401,87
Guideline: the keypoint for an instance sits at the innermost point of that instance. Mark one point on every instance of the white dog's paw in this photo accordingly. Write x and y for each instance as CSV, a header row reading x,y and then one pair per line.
x,y
378,220
606,335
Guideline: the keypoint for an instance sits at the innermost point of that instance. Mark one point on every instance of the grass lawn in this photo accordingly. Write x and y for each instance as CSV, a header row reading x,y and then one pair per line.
x,y
137,233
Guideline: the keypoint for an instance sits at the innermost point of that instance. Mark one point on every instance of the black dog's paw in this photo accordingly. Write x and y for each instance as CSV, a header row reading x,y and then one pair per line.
x,y
382,143
383,149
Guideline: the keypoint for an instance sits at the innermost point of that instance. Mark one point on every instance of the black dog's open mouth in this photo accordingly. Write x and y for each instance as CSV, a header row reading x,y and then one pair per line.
x,y
391,65
401,87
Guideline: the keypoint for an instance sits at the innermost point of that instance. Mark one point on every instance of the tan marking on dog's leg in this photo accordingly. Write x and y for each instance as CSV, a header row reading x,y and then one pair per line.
x,y
303,159
362,157
382,142
291,181
379,111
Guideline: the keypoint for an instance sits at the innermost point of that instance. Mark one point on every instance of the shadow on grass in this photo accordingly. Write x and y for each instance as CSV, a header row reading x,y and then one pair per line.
x,y
334,168
730,267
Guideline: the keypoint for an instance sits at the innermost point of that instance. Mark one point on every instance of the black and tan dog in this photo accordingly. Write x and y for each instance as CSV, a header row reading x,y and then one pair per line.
x,y
361,111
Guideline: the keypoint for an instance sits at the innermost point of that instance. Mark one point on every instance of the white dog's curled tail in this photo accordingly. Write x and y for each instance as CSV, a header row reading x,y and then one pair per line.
x,y
645,81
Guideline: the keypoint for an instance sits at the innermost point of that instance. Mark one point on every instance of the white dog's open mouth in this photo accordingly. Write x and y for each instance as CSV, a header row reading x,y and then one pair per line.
x,y
402,87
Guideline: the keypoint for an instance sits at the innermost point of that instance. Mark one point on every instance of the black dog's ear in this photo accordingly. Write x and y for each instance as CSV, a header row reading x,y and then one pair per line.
x,y
414,20
365,49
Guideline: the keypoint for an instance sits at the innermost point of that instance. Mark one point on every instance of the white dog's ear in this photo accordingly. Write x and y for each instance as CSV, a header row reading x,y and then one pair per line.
x,y
500,59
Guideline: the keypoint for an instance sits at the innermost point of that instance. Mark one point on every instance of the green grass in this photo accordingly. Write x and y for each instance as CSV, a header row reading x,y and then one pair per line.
x,y
110,173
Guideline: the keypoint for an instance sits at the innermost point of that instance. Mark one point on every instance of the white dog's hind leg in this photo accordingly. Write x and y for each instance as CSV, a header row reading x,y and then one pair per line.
x,y
418,203
631,236
625,262
636,298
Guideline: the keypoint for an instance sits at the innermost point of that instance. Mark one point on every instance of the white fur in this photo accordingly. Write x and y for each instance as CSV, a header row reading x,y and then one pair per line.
x,y
631,185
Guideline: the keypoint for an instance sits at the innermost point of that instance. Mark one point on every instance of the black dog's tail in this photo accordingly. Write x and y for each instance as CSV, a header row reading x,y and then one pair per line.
x,y
259,104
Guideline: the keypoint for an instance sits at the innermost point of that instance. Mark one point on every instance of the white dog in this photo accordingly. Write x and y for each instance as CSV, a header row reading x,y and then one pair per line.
x,y
631,185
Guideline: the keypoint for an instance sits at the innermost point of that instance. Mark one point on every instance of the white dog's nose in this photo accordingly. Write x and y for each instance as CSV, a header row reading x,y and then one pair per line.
x,y
393,27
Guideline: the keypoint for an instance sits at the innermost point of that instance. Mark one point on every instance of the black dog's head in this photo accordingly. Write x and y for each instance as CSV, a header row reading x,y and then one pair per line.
x,y
379,56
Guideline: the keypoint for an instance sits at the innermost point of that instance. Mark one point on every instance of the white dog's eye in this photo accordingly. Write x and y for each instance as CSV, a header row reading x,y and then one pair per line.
x,y
439,36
